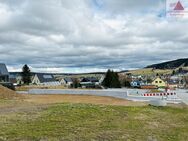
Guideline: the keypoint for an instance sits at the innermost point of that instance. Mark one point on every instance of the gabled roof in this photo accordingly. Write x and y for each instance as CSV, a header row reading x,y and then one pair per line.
x,y
45,77
135,81
68,79
172,82
93,79
158,78
90,79
3,69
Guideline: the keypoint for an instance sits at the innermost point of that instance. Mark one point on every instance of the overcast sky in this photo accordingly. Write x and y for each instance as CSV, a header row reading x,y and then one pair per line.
x,y
89,35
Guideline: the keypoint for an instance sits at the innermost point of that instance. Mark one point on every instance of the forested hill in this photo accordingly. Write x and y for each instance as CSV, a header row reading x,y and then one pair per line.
x,y
170,64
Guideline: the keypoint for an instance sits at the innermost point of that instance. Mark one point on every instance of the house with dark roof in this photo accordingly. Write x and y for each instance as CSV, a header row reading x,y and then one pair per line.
x,y
45,79
16,78
4,74
67,81
135,83
89,82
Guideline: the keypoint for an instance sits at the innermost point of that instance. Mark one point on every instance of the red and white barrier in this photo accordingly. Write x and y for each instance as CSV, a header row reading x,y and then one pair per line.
x,y
159,94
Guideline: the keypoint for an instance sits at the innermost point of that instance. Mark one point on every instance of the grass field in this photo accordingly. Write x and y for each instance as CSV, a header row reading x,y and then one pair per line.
x,y
23,120
149,71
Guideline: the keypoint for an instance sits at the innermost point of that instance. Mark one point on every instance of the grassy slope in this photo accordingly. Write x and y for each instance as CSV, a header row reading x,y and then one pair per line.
x,y
6,93
148,71
87,122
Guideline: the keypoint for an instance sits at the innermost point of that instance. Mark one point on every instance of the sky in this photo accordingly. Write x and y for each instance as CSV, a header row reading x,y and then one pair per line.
x,y
72,36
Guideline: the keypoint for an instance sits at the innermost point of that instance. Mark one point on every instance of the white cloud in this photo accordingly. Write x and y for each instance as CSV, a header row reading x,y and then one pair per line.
x,y
73,36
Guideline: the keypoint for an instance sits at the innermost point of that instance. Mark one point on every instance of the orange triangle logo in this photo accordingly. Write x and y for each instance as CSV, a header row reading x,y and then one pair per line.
x,y
179,6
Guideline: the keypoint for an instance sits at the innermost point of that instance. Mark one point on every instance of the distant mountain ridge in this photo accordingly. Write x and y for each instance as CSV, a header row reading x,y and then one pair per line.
x,y
170,64
33,73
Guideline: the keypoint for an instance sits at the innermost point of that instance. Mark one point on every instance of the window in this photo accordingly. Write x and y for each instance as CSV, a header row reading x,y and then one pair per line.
x,y
160,81
156,81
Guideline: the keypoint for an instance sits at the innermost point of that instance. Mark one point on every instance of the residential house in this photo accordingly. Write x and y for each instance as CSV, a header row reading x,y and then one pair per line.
x,y
4,74
101,79
67,81
135,77
137,83
15,78
12,79
89,82
173,84
45,79
159,82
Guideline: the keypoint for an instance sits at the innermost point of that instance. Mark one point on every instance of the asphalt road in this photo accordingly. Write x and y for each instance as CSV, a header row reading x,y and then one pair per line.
x,y
117,93
183,95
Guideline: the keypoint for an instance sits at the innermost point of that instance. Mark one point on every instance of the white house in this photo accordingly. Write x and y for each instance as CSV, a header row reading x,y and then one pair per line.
x,y
101,79
67,81
45,79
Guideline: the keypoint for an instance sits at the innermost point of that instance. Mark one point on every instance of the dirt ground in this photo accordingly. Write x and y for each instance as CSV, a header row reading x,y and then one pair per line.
x,y
6,93
50,99
28,102
35,103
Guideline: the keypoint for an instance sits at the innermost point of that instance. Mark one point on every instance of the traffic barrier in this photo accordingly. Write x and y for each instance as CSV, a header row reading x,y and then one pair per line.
x,y
159,94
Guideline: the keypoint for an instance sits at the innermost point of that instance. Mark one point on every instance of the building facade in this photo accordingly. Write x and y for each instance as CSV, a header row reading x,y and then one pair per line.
x,y
159,82
4,74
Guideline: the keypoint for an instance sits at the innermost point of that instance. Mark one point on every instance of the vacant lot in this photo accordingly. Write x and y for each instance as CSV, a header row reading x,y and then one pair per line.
x,y
26,88
88,99
66,117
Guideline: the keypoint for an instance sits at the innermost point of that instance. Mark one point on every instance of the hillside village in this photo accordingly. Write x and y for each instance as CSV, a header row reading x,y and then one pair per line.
x,y
147,78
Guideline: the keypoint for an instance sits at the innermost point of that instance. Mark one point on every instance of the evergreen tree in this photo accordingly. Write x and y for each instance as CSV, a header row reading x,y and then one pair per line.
x,y
26,75
115,80
127,83
75,83
180,70
106,81
111,80
173,72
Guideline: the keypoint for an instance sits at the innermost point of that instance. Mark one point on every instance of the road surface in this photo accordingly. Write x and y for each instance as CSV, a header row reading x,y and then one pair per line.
x,y
117,93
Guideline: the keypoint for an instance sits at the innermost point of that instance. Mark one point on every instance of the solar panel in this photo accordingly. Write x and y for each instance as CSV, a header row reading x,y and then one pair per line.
x,y
47,76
